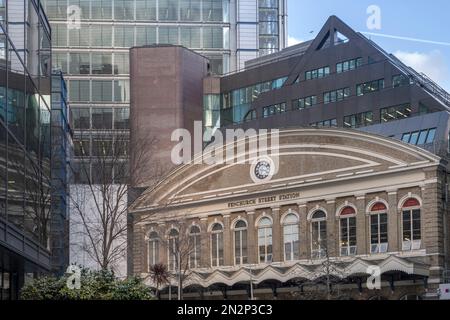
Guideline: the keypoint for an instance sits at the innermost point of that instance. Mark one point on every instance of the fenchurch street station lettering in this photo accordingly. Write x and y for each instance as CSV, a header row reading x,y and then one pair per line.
x,y
283,197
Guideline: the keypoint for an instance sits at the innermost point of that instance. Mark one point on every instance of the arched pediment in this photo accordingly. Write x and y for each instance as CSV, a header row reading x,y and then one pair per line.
x,y
304,156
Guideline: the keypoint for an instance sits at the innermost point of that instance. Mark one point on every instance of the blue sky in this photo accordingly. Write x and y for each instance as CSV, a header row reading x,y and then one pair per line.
x,y
418,19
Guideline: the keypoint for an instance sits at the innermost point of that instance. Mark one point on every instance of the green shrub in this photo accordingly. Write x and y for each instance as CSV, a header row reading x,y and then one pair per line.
x,y
95,285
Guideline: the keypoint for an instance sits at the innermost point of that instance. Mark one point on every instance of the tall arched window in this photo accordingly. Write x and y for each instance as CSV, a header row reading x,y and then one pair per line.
x,y
217,245
347,218
194,247
319,235
240,243
291,238
173,249
153,248
412,237
378,228
265,240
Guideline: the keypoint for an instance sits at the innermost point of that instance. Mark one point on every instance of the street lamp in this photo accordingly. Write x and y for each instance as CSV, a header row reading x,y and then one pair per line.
x,y
251,282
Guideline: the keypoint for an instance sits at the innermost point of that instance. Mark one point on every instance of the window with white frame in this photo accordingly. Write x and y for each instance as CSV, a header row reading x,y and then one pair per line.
x,y
378,228
318,235
217,245
240,243
291,238
411,224
195,247
172,249
348,231
265,249
153,249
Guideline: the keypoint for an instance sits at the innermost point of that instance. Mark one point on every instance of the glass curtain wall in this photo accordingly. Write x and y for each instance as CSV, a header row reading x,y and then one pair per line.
x,y
268,26
91,40
24,140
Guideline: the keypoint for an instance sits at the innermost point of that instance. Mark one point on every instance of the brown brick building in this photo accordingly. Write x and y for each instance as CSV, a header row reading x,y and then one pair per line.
x,y
340,200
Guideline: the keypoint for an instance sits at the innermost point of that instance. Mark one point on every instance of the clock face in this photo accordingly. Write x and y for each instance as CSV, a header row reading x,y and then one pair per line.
x,y
262,169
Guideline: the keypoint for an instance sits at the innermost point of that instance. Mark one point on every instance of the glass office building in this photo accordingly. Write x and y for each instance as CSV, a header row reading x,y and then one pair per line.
x,y
62,153
91,40
25,60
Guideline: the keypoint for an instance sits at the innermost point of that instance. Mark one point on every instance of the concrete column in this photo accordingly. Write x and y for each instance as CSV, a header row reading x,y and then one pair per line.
x,y
227,241
362,239
252,240
394,226
277,242
305,241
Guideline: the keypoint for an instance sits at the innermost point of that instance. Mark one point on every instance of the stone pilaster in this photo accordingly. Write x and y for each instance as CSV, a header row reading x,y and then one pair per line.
x,y
252,239
394,226
332,229
433,224
145,246
227,241
362,228
138,248
277,241
305,240
163,244
205,261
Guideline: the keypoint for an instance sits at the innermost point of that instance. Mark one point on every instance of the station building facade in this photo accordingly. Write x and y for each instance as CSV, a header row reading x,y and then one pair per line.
x,y
343,197
339,198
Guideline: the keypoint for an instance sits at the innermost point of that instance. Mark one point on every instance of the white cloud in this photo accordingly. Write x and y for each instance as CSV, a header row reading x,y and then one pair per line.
x,y
293,41
432,64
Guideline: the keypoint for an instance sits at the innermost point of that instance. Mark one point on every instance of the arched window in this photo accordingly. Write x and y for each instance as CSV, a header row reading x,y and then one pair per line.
x,y
318,234
153,248
265,240
347,219
194,247
240,243
217,245
173,249
378,228
291,238
412,238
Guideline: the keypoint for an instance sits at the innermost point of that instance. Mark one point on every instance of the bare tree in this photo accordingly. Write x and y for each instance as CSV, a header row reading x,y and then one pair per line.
x,y
37,210
100,200
183,245
327,277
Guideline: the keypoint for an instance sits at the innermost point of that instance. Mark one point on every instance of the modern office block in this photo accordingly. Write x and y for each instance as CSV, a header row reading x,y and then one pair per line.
x,y
174,102
25,144
61,174
92,39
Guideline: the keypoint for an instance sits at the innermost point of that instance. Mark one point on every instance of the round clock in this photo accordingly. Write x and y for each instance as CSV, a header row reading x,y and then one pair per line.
x,y
262,169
